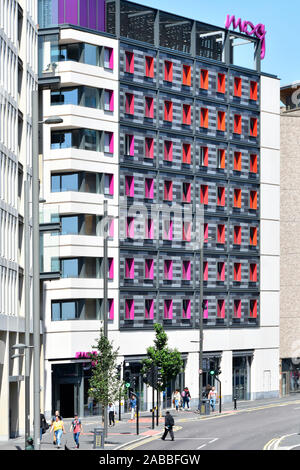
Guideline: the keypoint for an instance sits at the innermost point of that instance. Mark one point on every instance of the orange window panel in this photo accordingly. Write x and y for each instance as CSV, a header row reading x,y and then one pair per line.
x,y
237,235
253,236
168,114
253,91
204,118
237,161
221,196
186,114
237,272
204,156
221,121
237,87
253,163
253,272
204,79
253,199
186,154
221,159
149,66
253,127
221,83
237,198
237,125
221,234
253,309
168,71
187,75
204,194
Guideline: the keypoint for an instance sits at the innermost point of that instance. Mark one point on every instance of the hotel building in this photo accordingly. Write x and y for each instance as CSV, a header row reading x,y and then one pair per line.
x,y
163,120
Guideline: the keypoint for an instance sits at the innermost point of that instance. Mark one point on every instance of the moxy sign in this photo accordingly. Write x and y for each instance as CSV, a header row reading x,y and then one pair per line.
x,y
248,28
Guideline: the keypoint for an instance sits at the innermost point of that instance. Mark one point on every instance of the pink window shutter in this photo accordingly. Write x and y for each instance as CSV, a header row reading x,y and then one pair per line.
x,y
188,309
205,309
111,228
111,309
111,100
111,58
111,185
110,268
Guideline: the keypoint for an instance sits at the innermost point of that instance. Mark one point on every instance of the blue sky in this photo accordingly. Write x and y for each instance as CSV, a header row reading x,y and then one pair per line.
x,y
280,18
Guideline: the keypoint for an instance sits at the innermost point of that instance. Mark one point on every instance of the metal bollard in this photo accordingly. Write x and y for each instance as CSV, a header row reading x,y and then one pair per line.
x,y
235,405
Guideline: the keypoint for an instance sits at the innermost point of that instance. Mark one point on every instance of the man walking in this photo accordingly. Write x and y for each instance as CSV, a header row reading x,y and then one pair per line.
x,y
169,423
111,414
132,405
76,426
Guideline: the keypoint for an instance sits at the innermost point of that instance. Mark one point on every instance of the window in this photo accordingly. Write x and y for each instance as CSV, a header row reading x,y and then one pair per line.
x,y
149,107
108,100
237,272
108,62
221,157
205,309
205,232
186,114
205,270
204,79
168,190
186,270
149,309
149,188
149,147
110,266
221,82
237,161
168,309
129,309
149,67
221,308
253,308
129,185
129,145
130,227
204,118
253,272
253,163
66,96
237,87
237,234
129,103
111,309
221,121
187,75
168,150
168,229
149,268
221,196
186,154
108,142
168,113
237,198
109,184
186,231
168,269
168,71
149,229
253,127
129,62
253,200
129,268
186,308
66,182
237,308
253,236
186,192
221,234
79,309
204,156
221,271
237,125
253,91
204,194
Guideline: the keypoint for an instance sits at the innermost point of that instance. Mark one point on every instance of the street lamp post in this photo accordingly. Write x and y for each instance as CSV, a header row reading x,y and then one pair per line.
x,y
105,310
201,321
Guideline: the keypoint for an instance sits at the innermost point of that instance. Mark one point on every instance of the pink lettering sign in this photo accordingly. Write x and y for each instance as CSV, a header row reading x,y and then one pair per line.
x,y
248,28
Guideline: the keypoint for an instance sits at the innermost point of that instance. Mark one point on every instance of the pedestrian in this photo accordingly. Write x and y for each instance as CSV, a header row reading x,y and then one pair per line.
x,y
59,429
57,413
132,405
176,399
29,442
212,396
188,396
111,414
43,425
76,427
169,423
207,390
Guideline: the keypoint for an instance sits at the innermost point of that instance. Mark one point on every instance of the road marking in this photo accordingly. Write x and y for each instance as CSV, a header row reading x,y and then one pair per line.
x,y
201,447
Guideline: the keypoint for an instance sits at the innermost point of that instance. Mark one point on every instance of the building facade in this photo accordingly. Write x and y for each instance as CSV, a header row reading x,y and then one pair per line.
x,y
18,78
159,120
289,252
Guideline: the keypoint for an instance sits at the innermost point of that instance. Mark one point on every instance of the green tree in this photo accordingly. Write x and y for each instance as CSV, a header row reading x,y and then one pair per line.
x,y
161,355
105,384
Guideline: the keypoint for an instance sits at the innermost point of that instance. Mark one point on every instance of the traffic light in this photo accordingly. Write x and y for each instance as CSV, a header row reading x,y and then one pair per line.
x,y
218,370
159,375
127,378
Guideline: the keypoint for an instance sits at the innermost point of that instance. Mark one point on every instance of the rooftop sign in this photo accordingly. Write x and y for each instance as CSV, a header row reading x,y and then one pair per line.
x,y
248,28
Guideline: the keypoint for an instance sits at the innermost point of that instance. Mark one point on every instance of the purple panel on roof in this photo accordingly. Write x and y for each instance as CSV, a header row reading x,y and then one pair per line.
x,y
61,11
93,14
83,18
71,15
101,15
54,12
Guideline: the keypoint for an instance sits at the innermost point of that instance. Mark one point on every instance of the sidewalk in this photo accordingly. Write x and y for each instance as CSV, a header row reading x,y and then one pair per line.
x,y
125,431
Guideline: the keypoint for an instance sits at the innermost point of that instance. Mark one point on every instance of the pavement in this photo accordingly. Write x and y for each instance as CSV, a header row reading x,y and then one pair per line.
x,y
126,435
